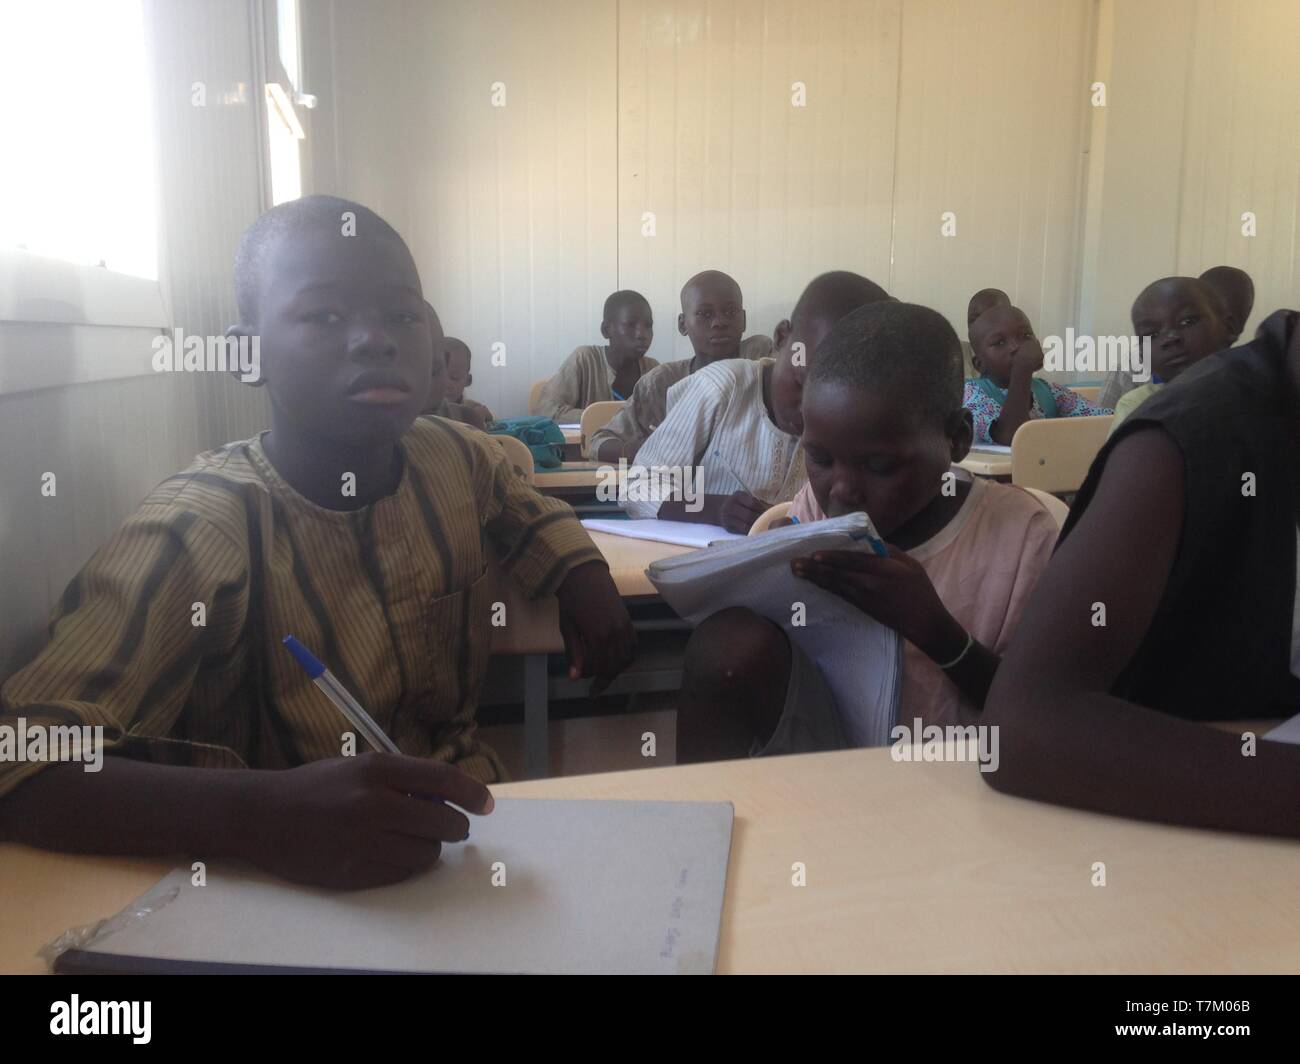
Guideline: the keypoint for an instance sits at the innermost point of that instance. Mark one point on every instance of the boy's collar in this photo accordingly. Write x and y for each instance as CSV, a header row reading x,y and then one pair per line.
x,y
282,488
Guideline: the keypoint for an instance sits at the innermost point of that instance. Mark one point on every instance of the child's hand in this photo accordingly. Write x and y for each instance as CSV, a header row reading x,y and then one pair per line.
x,y
1028,358
352,822
597,630
741,510
896,591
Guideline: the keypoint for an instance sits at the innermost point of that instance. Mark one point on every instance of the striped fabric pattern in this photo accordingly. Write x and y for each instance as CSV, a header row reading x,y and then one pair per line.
x,y
717,421
648,404
582,379
393,599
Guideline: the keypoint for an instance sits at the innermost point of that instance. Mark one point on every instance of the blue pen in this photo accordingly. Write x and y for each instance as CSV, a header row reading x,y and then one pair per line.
x,y
876,545
338,694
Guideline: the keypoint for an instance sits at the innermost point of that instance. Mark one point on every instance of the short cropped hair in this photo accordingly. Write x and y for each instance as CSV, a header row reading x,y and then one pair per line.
x,y
903,351
296,216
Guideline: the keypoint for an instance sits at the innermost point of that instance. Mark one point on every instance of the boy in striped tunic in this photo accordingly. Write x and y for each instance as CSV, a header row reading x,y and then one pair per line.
x,y
350,524
735,425
713,319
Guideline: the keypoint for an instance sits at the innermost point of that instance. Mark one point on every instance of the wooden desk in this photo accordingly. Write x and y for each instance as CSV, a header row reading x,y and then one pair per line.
x,y
532,629
571,478
911,867
572,445
987,463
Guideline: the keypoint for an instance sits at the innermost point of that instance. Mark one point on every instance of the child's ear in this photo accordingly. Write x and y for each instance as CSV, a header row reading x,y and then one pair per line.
x,y
244,336
604,329
975,360
781,333
742,321
1232,327
681,324
960,431
469,379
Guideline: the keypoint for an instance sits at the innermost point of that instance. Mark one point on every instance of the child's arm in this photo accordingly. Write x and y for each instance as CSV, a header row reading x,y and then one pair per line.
x,y
897,592
561,395
736,512
1063,737
1070,403
346,822
695,409
123,656
545,549
1020,397
620,436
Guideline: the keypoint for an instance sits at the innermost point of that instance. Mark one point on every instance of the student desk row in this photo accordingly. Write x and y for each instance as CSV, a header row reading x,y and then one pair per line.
x,y
985,463
532,629
571,479
909,867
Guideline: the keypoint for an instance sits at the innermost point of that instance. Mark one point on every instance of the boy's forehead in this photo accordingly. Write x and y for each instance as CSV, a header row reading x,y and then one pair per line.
x,y
321,257
1164,296
713,290
633,308
999,317
855,416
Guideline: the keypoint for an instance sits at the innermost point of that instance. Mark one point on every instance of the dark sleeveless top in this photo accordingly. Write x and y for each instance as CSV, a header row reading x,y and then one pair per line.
x,y
1219,646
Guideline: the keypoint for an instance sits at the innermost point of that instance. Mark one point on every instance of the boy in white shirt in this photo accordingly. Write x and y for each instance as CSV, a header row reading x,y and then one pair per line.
x,y
734,426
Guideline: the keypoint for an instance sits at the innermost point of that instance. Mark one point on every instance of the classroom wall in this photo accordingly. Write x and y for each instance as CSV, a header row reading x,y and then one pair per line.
x,y
686,109
761,138
643,140
1203,105
992,111
510,210
82,400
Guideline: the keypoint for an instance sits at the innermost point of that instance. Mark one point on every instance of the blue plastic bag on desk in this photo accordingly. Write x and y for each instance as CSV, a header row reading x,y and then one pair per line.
x,y
541,435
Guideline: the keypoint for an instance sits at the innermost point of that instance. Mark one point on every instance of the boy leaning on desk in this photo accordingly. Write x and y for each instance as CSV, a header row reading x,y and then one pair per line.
x,y
348,524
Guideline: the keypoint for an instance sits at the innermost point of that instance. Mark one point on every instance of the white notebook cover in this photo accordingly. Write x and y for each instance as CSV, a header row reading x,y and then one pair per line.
x,y
589,887
860,659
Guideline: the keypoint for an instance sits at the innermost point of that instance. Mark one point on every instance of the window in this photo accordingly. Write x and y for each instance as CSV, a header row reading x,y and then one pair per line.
x,y
283,82
78,183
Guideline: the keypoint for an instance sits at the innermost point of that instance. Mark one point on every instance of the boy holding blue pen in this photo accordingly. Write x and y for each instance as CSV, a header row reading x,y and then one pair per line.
x,y
352,526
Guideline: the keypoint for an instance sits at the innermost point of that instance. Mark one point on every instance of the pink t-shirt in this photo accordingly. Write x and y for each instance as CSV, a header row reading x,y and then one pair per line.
x,y
983,563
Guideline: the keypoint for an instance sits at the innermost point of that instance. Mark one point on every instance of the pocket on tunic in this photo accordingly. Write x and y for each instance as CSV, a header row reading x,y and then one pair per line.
x,y
458,644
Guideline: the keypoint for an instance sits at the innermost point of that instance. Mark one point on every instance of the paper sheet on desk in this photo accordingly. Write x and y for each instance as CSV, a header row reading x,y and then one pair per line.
x,y
991,448
682,533
540,887
860,659
1286,732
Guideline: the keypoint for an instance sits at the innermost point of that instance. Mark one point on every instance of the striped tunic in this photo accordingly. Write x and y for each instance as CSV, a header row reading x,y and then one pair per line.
x,y
717,423
582,379
170,637
648,404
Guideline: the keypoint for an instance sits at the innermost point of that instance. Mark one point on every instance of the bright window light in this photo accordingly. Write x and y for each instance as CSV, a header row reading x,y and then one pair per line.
x,y
78,181
286,12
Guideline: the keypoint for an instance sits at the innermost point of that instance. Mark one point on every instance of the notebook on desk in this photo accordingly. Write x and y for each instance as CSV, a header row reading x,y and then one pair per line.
x,y
860,659
540,887
681,533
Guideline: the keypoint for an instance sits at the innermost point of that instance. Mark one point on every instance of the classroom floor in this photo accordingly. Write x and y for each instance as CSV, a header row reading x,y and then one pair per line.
x,y
609,742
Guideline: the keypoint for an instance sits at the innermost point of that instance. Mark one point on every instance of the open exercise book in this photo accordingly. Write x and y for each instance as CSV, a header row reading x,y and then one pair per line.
x,y
682,533
540,886
860,659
